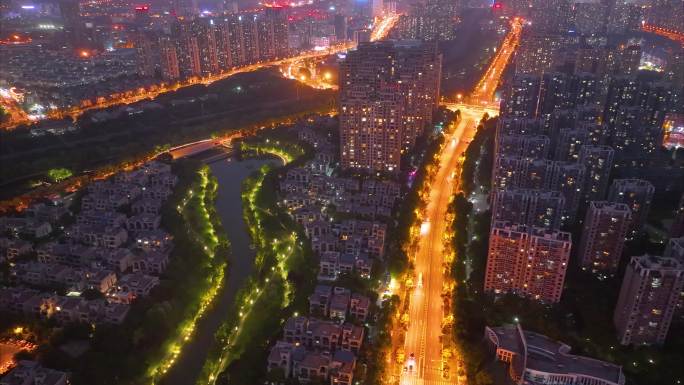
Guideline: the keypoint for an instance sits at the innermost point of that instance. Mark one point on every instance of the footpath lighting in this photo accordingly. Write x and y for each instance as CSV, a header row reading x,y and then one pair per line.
x,y
209,246
261,238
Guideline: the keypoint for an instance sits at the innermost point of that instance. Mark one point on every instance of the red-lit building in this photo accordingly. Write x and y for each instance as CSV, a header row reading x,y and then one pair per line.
x,y
528,261
169,59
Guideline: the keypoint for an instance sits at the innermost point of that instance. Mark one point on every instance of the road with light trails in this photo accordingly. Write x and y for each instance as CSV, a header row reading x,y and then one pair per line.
x,y
426,305
381,29
668,33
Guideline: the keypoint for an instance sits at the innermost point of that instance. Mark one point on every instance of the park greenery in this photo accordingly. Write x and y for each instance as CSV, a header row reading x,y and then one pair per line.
x,y
284,273
582,319
198,212
476,169
141,349
266,100
58,174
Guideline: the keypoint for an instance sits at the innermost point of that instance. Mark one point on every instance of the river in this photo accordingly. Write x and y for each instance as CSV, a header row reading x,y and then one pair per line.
x,y
230,175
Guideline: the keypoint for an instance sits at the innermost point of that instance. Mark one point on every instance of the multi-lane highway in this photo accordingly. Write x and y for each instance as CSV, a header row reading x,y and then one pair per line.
x,y
423,345
426,306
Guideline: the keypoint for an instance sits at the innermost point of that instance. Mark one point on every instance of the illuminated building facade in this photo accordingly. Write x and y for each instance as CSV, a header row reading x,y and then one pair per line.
x,y
536,208
537,53
527,261
432,20
388,91
635,193
648,299
598,161
603,237
74,27
144,46
168,59
568,179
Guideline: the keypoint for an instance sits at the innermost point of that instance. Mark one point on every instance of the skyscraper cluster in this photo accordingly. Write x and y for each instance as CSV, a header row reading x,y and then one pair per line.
x,y
388,91
202,47
582,139
431,20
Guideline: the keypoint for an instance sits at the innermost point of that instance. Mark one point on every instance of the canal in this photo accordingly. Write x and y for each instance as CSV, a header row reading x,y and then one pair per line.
x,y
230,175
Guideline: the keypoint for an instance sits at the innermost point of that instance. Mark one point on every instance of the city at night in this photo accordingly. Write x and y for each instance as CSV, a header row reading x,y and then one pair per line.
x,y
341,192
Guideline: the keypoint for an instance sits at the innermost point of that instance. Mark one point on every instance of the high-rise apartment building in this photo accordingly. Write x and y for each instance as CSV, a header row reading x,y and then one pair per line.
x,y
635,193
521,172
226,60
624,16
388,91
549,16
533,146
204,32
675,249
187,49
527,261
521,137
341,30
74,27
648,299
603,236
145,53
249,37
567,143
537,53
170,69
275,29
568,179
677,228
521,97
536,208
589,17
431,20
598,161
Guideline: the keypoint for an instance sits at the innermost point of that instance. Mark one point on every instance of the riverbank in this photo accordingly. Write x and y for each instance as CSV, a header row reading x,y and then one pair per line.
x,y
243,338
258,99
229,175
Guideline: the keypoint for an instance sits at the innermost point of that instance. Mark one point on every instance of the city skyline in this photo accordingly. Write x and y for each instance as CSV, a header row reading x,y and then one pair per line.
x,y
380,192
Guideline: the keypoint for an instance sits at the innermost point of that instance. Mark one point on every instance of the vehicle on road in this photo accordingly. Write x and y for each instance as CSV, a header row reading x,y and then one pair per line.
x,y
411,363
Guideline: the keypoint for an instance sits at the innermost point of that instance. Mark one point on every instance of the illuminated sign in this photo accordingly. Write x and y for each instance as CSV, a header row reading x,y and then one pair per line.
x,y
673,131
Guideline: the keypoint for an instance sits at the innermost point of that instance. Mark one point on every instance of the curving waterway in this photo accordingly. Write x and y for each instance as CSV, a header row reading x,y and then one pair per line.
x,y
230,175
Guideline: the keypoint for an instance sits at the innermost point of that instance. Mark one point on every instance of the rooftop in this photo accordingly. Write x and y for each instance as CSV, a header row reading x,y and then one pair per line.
x,y
547,355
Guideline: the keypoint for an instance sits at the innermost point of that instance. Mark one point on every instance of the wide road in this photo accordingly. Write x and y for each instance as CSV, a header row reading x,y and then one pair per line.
x,y
422,345
426,307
